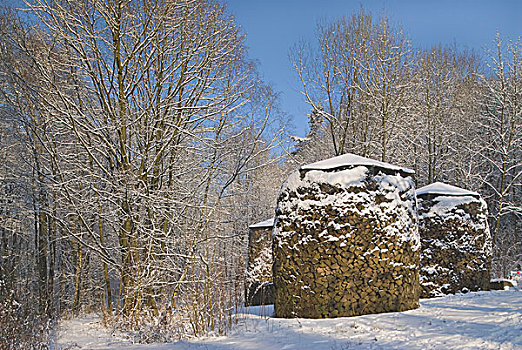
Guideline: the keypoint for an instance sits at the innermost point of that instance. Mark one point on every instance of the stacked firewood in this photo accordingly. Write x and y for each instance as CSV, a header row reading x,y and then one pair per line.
x,y
456,244
346,243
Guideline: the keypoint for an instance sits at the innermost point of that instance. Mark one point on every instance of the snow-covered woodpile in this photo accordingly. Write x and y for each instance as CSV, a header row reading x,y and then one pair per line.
x,y
501,284
259,286
455,238
346,240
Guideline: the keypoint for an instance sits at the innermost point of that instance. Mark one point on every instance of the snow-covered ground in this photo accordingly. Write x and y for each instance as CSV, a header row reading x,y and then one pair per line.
x,y
484,320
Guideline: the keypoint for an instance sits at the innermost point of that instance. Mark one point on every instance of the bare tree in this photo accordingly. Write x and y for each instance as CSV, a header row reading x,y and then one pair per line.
x,y
359,74
501,122
26,236
144,122
442,110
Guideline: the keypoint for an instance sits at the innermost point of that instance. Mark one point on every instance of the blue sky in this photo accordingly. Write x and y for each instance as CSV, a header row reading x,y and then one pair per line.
x,y
274,26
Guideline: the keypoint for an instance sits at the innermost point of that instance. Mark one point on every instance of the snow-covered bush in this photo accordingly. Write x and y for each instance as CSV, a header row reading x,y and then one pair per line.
x,y
21,327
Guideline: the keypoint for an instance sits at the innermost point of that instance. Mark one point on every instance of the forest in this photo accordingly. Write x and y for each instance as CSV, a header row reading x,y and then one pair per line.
x,y
138,143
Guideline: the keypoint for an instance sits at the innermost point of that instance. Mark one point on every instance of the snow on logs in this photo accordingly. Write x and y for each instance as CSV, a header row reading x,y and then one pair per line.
x,y
346,240
259,286
456,243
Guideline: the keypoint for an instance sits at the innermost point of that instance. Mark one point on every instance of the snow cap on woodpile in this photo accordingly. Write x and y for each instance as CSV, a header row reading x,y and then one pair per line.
x,y
455,239
440,188
350,160
346,239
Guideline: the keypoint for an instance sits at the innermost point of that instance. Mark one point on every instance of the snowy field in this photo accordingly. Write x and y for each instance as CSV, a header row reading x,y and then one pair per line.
x,y
484,320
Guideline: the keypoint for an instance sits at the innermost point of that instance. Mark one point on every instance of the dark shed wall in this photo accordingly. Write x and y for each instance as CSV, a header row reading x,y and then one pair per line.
x,y
259,281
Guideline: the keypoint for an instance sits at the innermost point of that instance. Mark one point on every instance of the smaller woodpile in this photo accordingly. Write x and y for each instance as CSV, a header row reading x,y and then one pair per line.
x,y
346,240
501,284
455,240
259,289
